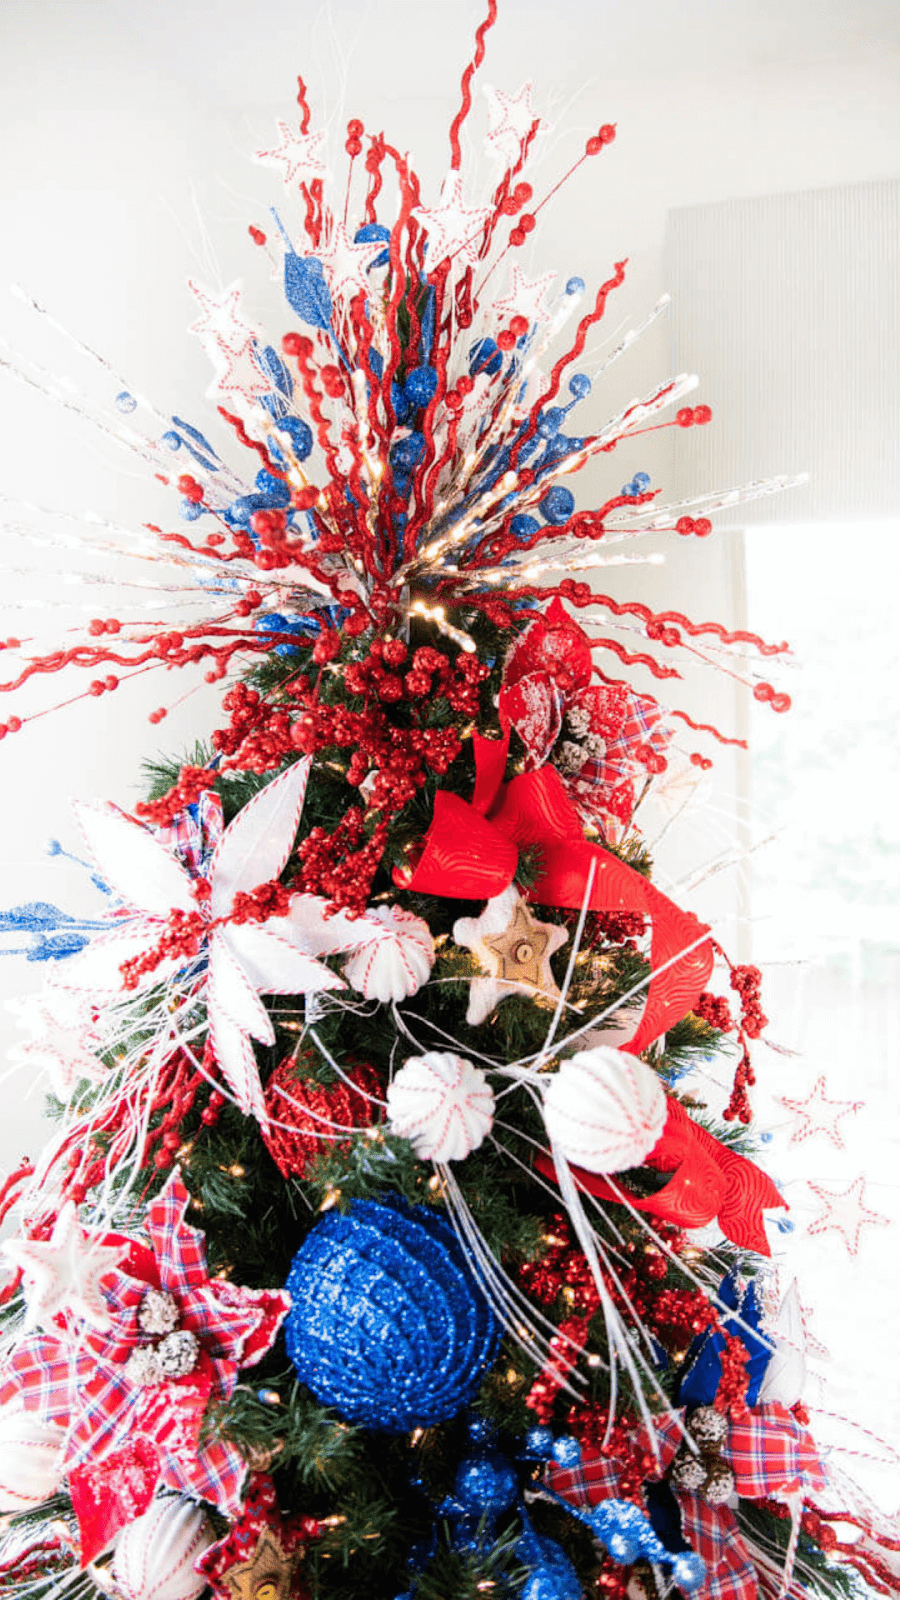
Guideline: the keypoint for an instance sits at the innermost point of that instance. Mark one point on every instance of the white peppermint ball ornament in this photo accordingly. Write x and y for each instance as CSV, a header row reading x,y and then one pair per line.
x,y
154,1556
31,1459
604,1109
396,960
442,1104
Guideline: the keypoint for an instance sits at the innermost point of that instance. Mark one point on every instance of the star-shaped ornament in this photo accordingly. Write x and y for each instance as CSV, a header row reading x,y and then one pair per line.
x,y
266,1575
514,947
818,1114
347,263
297,157
454,231
844,1213
220,324
63,1043
510,117
63,1274
525,298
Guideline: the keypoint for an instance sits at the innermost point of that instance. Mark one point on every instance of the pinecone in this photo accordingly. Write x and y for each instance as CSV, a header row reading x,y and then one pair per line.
x,y
687,1472
707,1425
157,1312
719,1485
142,1367
177,1353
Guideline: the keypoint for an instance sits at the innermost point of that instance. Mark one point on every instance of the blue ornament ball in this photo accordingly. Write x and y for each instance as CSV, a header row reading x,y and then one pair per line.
x,y
539,1442
566,1451
688,1570
485,1483
557,504
420,385
387,1323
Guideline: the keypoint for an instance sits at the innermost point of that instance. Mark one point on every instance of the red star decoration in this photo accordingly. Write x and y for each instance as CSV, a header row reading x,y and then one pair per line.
x,y
845,1213
819,1115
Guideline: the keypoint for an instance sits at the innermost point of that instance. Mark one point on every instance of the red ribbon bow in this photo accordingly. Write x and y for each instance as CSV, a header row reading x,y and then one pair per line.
x,y
472,851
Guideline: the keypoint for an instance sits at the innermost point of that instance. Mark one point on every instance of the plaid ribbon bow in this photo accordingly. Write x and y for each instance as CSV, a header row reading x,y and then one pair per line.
x,y
123,1441
769,1454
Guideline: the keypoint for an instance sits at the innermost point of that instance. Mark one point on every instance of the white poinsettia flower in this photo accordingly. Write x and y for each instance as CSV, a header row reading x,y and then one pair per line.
x,y
237,961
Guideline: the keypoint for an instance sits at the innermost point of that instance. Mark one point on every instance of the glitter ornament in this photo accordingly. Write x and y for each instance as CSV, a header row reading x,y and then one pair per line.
x,y
387,1324
485,1484
707,1425
31,1459
154,1556
157,1313
177,1353
143,1367
442,1103
604,1109
396,963
307,1119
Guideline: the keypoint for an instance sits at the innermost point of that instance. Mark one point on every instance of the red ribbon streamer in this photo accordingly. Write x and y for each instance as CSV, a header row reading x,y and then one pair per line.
x,y
708,1181
472,850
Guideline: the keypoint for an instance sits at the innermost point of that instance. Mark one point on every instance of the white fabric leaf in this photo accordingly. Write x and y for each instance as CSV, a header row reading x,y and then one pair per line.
x,y
237,1064
98,967
273,963
255,846
139,869
319,935
785,1378
230,994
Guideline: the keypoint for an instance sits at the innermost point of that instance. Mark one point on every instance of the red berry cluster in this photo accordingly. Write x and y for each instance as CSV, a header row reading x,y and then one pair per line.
x,y
430,676
714,1009
613,927
184,934
731,1394
747,982
265,901
342,864
259,734
192,781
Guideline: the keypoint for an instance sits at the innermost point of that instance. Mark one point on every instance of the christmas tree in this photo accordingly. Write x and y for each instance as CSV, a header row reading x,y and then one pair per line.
x,y
364,1258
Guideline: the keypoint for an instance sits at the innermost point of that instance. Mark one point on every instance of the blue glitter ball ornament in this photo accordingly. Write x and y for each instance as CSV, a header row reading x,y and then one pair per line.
x,y
485,1483
387,1324
689,1571
557,504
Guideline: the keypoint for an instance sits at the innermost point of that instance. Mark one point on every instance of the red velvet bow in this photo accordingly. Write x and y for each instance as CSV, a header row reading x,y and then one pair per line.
x,y
472,850
709,1180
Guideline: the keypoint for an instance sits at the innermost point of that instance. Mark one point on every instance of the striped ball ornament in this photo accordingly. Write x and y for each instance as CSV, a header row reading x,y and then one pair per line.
x,y
604,1109
155,1555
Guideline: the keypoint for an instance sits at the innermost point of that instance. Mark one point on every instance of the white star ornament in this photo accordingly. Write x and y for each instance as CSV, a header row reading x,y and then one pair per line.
x,y
63,1274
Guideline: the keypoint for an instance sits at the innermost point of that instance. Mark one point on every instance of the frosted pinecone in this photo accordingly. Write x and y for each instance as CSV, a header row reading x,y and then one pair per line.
x,y
143,1369
688,1472
177,1353
157,1312
707,1425
570,757
719,1485
579,720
